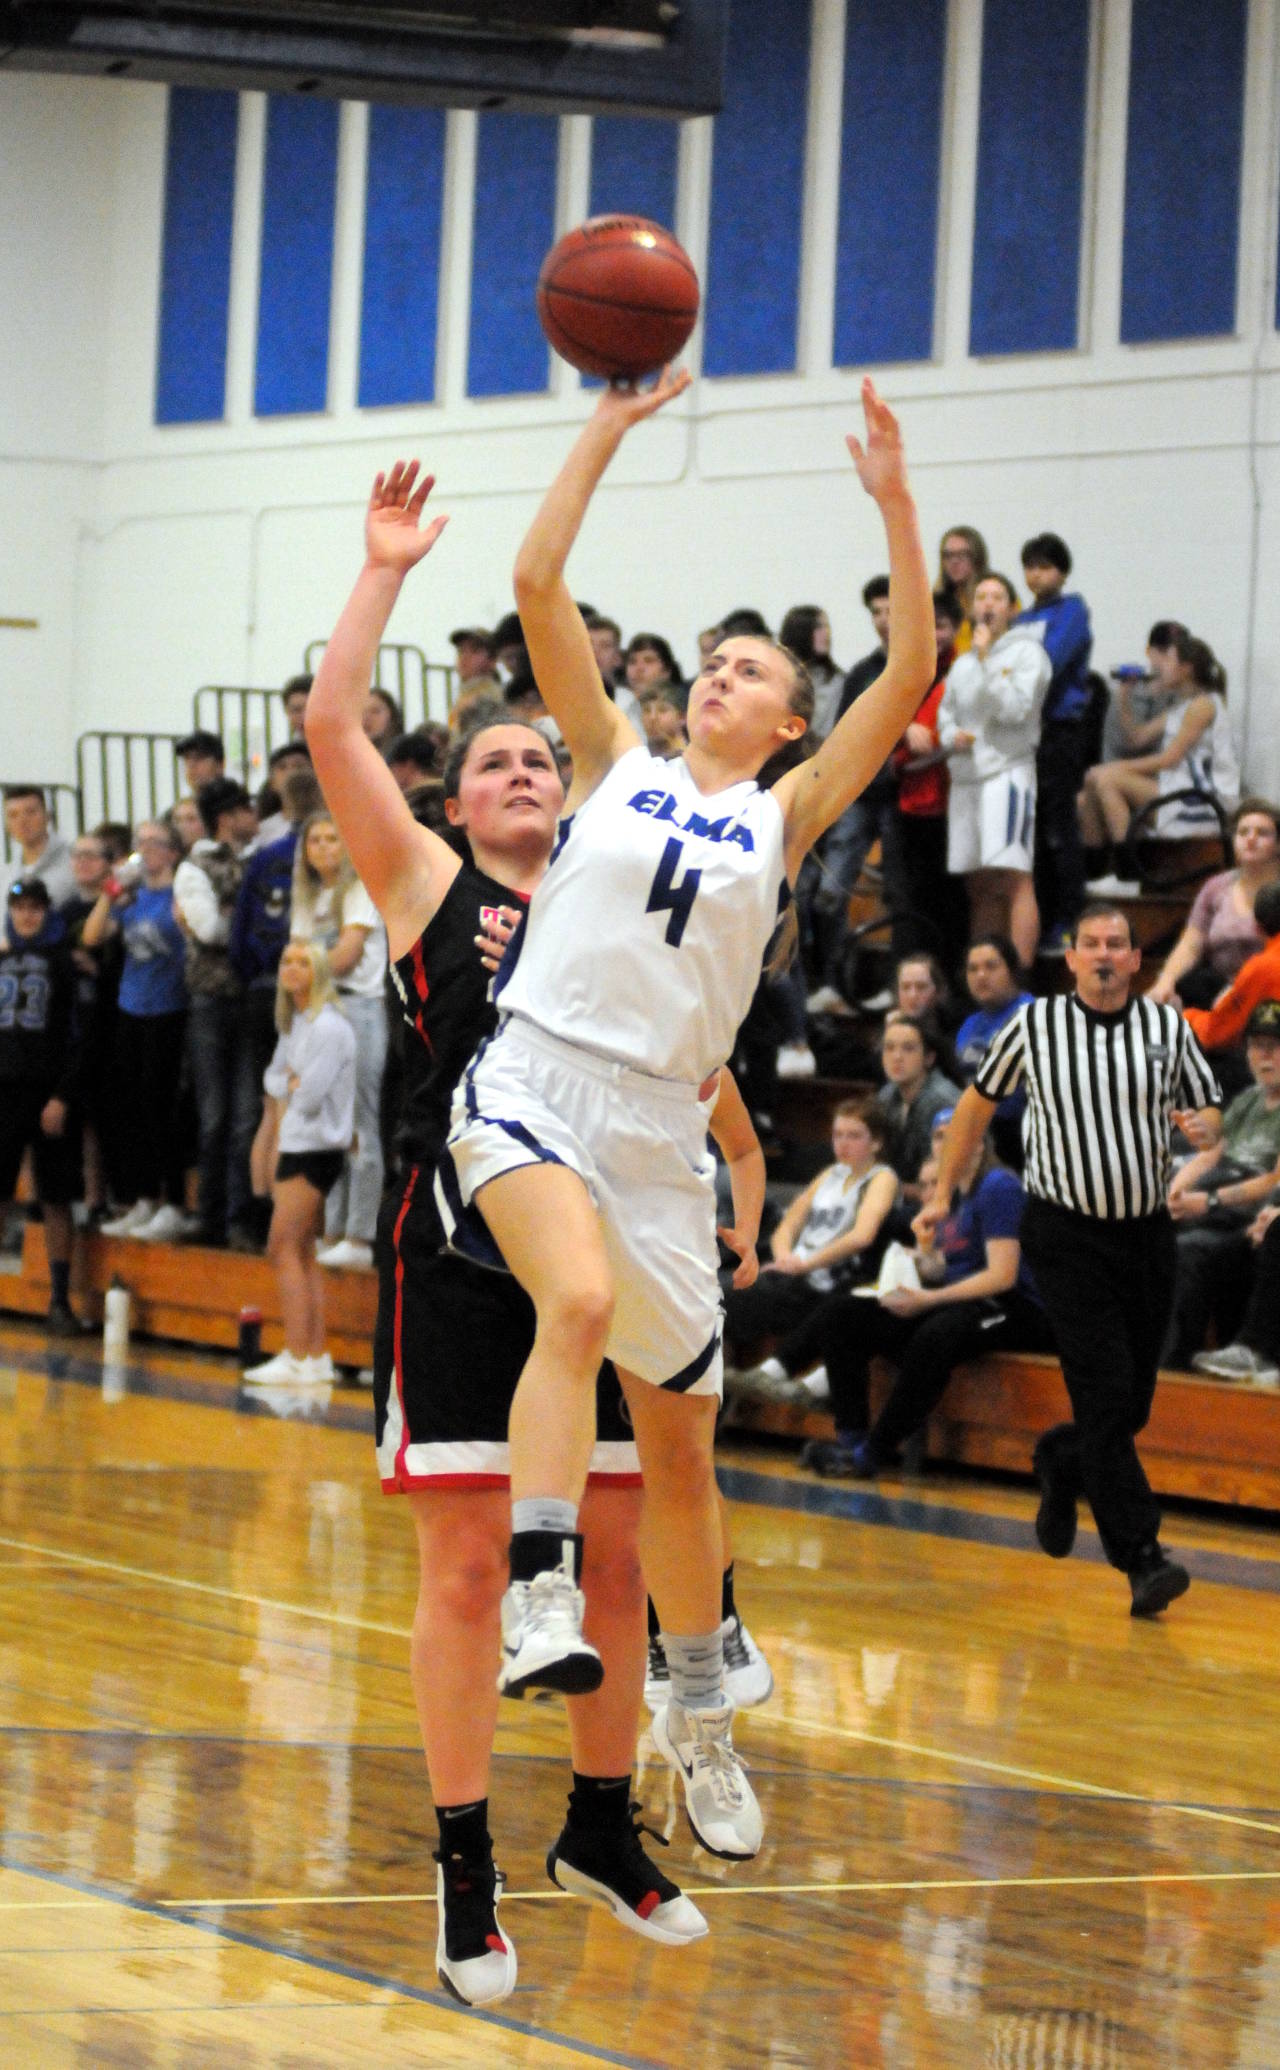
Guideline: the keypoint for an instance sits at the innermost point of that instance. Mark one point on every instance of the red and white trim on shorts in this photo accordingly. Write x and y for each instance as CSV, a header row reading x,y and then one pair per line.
x,y
484,1463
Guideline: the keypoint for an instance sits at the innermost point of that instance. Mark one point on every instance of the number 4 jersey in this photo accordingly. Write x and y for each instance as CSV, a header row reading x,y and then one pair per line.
x,y
645,939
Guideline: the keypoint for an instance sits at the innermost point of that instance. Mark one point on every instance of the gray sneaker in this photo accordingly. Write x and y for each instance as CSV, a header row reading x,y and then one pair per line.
x,y
719,1801
1238,1362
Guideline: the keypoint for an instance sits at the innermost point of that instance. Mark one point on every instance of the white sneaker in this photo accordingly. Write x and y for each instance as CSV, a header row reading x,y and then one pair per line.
x,y
133,1218
825,1000
796,1060
467,1907
347,1256
283,1367
719,1801
748,1677
364,1378
1112,886
817,1384
542,1642
1238,1362
657,1677
320,1368
167,1225
879,1002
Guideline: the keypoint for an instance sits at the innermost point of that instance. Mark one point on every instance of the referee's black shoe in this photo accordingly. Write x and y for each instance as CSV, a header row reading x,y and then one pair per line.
x,y
1056,1516
1156,1581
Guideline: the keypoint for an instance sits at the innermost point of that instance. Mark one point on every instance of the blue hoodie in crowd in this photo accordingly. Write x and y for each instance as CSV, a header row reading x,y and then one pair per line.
x,y
260,925
1068,642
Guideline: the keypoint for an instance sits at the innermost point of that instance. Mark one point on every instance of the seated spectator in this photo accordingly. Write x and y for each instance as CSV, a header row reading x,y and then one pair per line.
x,y
989,724
150,1034
962,562
830,1237
1254,1356
294,699
977,1296
185,824
806,633
273,821
934,912
920,987
41,851
650,661
1141,694
475,660
1063,754
1221,931
331,906
202,756
413,759
1188,746
300,1153
220,1049
1215,1196
662,716
382,719
914,1091
994,978
1256,980
41,1053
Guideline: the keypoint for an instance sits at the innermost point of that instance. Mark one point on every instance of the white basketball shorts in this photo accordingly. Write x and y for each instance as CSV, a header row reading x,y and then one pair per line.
x,y
992,825
639,1144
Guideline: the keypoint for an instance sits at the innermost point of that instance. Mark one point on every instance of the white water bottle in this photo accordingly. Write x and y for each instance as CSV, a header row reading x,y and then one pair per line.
x,y
115,1322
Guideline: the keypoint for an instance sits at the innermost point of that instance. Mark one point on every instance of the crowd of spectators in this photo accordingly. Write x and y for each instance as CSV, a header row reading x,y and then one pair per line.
x,y
1019,791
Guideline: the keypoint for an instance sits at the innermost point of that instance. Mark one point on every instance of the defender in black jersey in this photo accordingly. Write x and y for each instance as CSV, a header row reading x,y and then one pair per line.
x,y
40,1071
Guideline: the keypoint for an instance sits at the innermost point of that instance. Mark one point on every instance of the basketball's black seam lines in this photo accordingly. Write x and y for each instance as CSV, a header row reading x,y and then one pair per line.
x,y
627,308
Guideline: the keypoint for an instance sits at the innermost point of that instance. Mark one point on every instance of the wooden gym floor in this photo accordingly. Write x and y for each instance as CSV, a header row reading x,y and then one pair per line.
x,y
1007,1826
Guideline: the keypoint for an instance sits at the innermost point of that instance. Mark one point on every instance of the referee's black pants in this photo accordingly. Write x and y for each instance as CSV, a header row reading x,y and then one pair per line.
x,y
1108,1288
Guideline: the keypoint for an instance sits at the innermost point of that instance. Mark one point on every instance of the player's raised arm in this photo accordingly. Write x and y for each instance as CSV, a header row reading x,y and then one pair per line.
x,y
559,647
815,794
405,869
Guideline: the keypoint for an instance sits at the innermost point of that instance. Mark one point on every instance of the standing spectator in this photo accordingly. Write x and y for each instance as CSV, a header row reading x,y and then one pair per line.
x,y
977,1295
260,923
97,986
90,865
605,635
1063,754
806,630
150,1031
219,1047
383,720
331,906
662,715
413,759
962,563
294,699
1222,930
650,661
185,824
300,1151
1190,749
989,723
914,1091
1217,1193
475,660
273,821
824,891
41,852
994,978
1102,1071
931,917
202,756
40,1056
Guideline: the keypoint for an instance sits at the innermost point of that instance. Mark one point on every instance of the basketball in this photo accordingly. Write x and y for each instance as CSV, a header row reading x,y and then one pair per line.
x,y
618,296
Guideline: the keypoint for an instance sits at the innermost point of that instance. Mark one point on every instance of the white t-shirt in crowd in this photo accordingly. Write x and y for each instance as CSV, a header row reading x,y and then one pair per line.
x,y
329,913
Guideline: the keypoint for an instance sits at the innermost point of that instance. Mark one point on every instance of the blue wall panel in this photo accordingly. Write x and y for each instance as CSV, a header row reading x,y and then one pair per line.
x,y
890,150
633,168
1031,130
515,212
195,265
299,190
757,191
1182,175
404,199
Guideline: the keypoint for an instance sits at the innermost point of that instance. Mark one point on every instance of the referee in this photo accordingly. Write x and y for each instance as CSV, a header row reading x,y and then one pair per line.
x,y
1102,1073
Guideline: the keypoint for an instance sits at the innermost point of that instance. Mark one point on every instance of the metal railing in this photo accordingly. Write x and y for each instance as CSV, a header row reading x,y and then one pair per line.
x,y
126,776
250,723
423,689
62,801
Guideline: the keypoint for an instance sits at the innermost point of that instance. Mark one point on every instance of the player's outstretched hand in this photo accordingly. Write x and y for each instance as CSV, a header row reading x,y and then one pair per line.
x,y
747,1270
882,462
394,534
625,403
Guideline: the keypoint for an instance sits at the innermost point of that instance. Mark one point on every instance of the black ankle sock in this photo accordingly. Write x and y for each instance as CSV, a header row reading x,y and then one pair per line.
x,y
535,1552
60,1276
1127,861
655,1622
728,1608
464,1828
598,1803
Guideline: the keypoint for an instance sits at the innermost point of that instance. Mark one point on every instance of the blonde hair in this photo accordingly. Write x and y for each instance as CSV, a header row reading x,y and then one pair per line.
x,y
306,880
324,992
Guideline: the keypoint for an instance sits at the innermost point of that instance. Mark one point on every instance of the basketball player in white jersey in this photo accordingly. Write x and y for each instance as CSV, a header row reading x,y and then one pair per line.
x,y
577,1133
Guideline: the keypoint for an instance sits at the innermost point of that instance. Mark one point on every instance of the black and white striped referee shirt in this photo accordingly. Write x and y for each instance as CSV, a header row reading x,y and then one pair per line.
x,y
1100,1088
